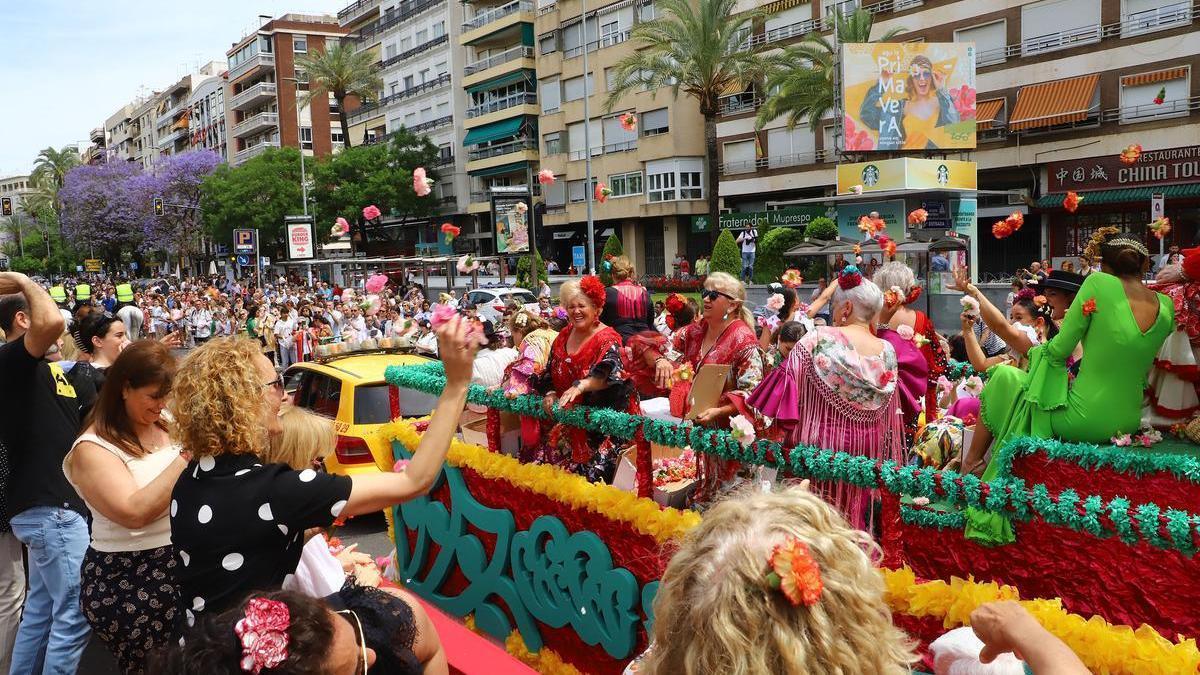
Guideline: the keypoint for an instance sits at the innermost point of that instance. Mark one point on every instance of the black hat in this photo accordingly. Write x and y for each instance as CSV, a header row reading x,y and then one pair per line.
x,y
1062,280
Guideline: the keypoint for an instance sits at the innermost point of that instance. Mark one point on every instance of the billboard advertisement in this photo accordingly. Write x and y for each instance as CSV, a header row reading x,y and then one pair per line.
x,y
299,239
908,95
511,215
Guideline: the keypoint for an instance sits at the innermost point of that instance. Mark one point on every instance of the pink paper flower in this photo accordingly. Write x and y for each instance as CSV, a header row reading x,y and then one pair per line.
x,y
263,634
340,228
376,283
629,121
973,385
856,189
422,184
546,177
970,305
742,430
441,315
521,208
400,465
905,332
921,501
602,192
371,304
775,302
371,212
467,264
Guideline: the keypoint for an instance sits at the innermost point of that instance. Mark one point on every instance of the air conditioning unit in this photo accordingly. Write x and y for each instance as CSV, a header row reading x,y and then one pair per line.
x,y
1018,197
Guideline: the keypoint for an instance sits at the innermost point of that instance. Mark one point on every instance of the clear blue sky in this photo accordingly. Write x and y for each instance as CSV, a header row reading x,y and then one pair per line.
x,y
66,65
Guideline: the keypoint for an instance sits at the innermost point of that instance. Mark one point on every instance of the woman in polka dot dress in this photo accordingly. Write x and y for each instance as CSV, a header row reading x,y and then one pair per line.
x,y
238,524
124,466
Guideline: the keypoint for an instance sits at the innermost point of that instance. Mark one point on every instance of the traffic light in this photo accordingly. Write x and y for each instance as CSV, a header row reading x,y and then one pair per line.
x,y
6,206
159,209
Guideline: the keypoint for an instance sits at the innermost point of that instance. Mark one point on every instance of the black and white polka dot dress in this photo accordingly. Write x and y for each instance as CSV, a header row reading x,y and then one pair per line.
x,y
238,526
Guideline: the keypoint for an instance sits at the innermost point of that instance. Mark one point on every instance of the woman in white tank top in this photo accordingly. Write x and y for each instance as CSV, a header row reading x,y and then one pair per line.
x,y
124,466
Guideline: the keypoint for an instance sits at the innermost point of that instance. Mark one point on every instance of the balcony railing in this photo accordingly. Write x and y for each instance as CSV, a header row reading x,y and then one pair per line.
x,y
1148,112
370,33
621,146
497,13
170,139
432,124
546,6
518,52
169,114
740,103
1060,40
502,149
444,160
253,150
1159,18
262,119
409,53
349,13
775,162
259,59
260,90
609,40
369,109
510,101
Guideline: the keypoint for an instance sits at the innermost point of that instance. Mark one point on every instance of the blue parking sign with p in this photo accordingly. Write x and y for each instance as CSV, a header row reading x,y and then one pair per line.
x,y
243,241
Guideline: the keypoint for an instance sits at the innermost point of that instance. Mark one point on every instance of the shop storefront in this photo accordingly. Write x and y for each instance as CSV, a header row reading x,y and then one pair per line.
x,y
1120,195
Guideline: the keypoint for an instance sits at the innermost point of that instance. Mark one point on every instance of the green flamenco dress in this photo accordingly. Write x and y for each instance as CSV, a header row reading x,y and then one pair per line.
x,y
1105,400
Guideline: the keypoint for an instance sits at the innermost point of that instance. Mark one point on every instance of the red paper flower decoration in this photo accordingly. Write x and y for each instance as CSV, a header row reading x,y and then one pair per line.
x,y
1015,220
629,121
1071,201
887,245
546,177
796,573
1161,97
602,192
1089,307
451,231
1131,153
1001,229
918,217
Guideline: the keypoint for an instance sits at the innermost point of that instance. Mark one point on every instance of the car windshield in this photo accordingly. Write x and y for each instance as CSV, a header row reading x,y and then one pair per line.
x,y
523,297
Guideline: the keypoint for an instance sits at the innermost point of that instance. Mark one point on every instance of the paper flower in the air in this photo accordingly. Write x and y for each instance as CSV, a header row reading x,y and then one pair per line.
x,y
1131,153
467,264
1001,229
1161,227
370,304
742,430
791,278
775,302
1071,201
521,208
376,283
973,385
856,189
546,177
865,225
422,184
1015,220
887,245
857,249
603,192
340,228
441,314
629,121
970,306
1162,96
371,212
918,217
451,231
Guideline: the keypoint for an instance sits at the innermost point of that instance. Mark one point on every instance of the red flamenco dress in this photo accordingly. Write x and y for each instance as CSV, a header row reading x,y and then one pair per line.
x,y
1173,394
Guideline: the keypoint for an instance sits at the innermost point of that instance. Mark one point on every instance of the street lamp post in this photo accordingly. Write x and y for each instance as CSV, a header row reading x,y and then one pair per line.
x,y
300,146
588,188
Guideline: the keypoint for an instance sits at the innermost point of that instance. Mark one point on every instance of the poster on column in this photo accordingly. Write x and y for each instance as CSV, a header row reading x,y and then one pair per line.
x,y
512,225
908,95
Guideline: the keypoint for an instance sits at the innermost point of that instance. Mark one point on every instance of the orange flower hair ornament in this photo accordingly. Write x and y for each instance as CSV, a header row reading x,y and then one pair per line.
x,y
1071,201
1131,153
795,573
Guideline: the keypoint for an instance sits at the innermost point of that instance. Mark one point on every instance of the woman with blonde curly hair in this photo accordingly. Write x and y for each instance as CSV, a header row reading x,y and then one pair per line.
x,y
237,522
774,583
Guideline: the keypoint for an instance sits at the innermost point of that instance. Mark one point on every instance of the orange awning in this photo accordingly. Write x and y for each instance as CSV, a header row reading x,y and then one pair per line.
x,y
1051,103
986,112
184,119
1157,76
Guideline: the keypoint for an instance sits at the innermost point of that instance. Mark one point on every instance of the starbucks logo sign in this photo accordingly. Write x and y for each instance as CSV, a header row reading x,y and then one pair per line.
x,y
870,175
943,174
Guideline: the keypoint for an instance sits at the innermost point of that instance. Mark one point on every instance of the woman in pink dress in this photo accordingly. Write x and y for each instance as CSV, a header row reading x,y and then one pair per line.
x,y
837,391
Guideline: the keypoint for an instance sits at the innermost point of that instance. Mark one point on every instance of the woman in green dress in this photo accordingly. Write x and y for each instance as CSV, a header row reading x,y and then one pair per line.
x,y
1121,324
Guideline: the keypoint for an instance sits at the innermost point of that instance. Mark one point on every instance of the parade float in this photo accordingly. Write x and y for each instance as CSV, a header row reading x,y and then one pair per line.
x,y
564,572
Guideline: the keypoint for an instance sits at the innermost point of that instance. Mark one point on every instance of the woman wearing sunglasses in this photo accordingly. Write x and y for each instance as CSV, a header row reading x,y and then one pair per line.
x,y
925,108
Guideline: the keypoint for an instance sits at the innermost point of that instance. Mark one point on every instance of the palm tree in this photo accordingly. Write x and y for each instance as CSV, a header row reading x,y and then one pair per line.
x,y
340,70
697,48
801,81
53,165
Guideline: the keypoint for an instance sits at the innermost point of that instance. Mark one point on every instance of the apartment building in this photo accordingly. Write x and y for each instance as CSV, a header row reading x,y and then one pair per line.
x,y
264,88
95,153
1062,87
415,44
120,130
143,130
655,170
15,188
206,116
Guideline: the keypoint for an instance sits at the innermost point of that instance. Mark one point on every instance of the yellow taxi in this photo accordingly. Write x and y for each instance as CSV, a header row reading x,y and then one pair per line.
x,y
349,389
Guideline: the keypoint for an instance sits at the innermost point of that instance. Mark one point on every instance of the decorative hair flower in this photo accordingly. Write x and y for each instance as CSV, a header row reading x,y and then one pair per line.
x,y
775,302
546,177
1015,220
602,192
1089,307
371,212
593,288
1071,201
1161,227
849,277
905,332
674,303
629,122
1161,97
467,264
742,430
1131,153
422,185
893,297
263,634
1001,229
791,278
795,572
340,228
1040,300
451,231
918,217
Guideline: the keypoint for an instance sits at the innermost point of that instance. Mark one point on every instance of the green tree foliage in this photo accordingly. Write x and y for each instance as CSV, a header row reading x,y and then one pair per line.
x,y
611,247
341,70
821,228
380,174
256,194
770,263
523,277
726,257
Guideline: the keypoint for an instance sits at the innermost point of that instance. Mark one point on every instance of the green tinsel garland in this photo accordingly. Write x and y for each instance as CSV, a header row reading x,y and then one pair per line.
x,y
950,520
1007,494
1087,455
957,370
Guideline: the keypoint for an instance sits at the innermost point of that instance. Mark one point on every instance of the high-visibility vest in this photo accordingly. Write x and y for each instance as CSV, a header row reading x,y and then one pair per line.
x,y
83,292
58,294
124,293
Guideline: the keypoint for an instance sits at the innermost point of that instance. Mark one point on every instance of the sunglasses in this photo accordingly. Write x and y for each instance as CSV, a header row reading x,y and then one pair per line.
x,y
361,639
710,294
922,74
276,383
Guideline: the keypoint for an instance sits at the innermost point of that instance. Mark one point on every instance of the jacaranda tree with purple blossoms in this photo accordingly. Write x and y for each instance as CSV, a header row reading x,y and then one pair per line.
x,y
99,214
177,180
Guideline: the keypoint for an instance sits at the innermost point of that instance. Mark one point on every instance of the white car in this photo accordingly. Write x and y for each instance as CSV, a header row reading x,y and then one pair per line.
x,y
490,301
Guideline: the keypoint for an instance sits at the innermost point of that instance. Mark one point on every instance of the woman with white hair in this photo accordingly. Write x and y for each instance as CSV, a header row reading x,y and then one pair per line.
x,y
900,291
837,390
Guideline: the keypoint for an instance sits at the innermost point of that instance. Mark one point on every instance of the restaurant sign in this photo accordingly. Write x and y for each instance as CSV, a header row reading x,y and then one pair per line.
x,y
1153,167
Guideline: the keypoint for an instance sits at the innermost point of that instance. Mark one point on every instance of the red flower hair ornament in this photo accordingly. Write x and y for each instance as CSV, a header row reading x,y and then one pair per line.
x,y
795,573
593,288
263,634
849,277
675,303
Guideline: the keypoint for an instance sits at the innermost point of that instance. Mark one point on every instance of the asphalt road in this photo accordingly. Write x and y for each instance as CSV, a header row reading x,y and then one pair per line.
x,y
369,532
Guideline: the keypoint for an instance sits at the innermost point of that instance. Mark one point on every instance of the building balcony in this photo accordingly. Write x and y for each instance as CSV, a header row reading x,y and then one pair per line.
x,y
613,38
171,138
432,124
520,150
488,21
252,64
503,103
253,150
776,162
368,110
255,123
259,93
415,51
371,34
351,13
519,52
97,136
